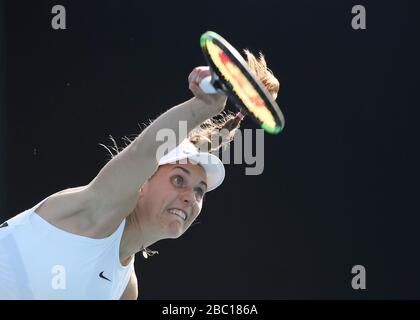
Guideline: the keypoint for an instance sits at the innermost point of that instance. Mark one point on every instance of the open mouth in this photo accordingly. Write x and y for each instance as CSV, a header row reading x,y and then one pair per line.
x,y
178,212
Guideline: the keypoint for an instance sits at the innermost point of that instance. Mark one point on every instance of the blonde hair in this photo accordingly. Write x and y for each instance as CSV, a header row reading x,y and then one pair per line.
x,y
224,125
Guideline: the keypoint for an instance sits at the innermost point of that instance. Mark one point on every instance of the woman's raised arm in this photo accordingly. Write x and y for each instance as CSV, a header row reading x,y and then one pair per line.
x,y
115,189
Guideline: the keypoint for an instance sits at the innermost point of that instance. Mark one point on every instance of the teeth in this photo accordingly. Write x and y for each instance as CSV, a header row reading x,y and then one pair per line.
x,y
179,213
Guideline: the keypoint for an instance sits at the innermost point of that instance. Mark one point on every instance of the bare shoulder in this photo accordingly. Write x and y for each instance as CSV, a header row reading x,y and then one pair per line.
x,y
71,210
65,203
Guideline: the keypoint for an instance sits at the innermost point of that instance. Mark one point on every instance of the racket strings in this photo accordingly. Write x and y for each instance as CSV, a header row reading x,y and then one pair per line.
x,y
245,81
241,86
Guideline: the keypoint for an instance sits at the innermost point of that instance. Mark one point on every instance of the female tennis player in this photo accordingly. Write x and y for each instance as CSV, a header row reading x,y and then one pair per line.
x,y
80,243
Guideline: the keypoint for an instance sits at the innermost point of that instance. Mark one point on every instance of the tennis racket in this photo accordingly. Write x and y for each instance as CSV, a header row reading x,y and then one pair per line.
x,y
230,75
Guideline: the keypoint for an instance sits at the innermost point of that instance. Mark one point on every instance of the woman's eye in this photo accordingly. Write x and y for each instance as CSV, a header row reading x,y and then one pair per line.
x,y
178,181
199,194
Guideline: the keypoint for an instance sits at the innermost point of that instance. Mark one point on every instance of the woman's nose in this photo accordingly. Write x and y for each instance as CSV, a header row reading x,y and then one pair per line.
x,y
188,197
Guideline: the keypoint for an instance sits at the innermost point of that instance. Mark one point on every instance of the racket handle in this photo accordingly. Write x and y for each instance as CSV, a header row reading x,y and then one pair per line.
x,y
206,86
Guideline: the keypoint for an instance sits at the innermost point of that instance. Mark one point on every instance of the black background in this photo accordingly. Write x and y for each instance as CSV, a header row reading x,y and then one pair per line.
x,y
339,184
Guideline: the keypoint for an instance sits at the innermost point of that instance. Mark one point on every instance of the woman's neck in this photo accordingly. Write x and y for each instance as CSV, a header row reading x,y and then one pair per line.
x,y
135,237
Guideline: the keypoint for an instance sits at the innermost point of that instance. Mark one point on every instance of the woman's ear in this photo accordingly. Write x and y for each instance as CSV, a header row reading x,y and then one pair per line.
x,y
142,188
141,192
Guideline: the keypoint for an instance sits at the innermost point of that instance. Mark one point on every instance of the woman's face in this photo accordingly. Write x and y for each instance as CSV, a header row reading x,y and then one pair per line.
x,y
171,200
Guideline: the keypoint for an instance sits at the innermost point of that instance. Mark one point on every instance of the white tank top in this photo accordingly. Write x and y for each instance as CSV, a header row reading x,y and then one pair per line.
x,y
41,261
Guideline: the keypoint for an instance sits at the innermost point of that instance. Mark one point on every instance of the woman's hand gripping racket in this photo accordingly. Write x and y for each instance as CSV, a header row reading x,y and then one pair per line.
x,y
230,75
196,77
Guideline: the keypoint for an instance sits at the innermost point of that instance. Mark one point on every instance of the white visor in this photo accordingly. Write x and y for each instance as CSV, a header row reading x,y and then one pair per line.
x,y
215,170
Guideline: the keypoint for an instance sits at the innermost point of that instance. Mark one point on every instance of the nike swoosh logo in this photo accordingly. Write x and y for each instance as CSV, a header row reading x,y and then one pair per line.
x,y
101,275
4,224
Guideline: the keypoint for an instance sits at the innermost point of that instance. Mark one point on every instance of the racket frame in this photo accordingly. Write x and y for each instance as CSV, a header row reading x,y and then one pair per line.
x,y
220,83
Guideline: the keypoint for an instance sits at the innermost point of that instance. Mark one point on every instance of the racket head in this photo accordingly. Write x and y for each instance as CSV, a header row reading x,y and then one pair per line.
x,y
232,75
